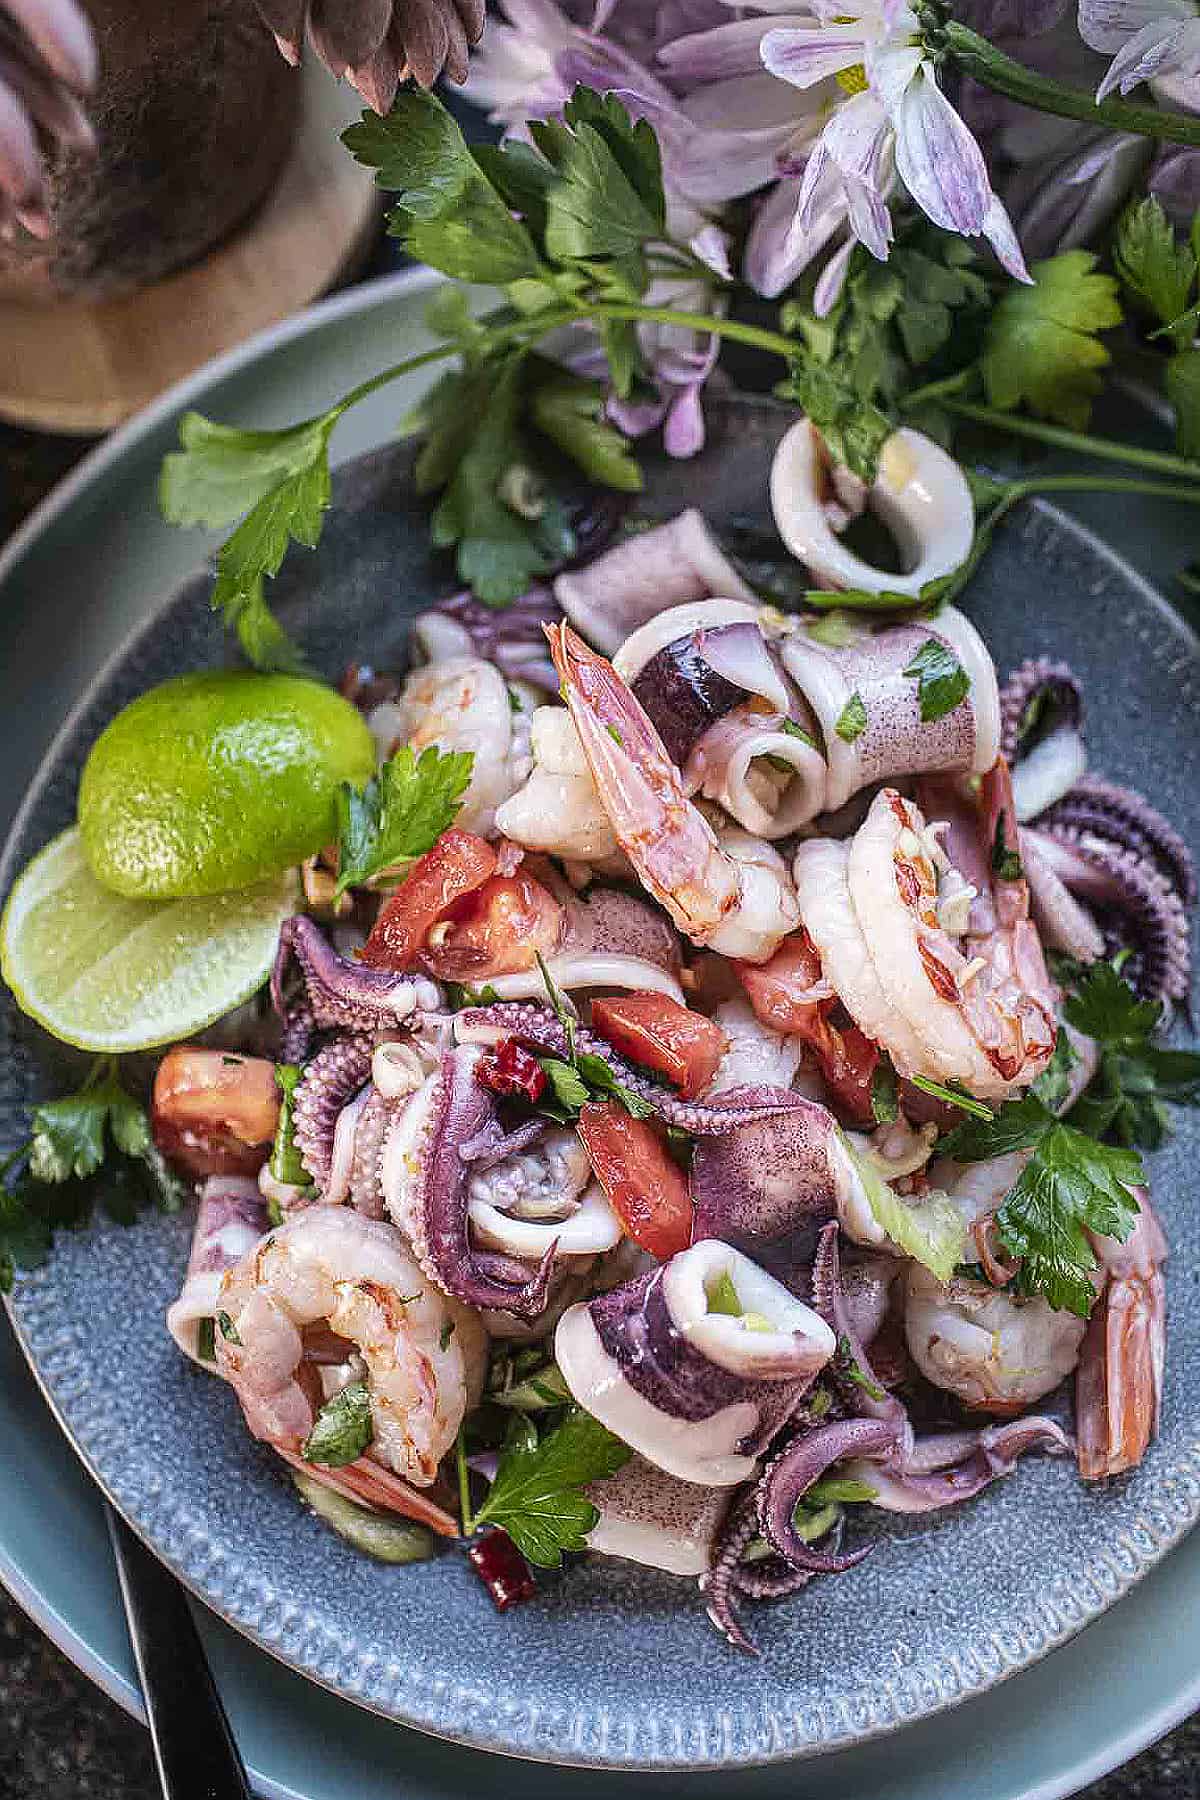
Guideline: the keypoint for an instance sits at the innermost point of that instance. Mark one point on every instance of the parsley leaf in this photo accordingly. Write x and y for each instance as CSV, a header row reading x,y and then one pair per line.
x,y
1152,265
283,478
400,813
70,1136
608,200
953,1096
448,213
1070,1184
538,1495
499,550
1183,391
342,1429
1042,348
570,1089
1136,1078
570,412
885,1107
942,682
1006,862
852,720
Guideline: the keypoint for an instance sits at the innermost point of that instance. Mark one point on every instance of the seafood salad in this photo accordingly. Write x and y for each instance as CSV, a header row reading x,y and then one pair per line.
x,y
694,1111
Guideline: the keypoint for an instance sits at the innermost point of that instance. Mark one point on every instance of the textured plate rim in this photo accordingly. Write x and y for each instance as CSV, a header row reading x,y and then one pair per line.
x,y
953,1682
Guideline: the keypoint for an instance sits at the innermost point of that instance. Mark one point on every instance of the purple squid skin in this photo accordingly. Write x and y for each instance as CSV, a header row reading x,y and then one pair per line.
x,y
539,1029
995,1451
829,1299
1039,676
1110,846
635,1327
341,994
330,1081
465,1113
767,1188
790,1474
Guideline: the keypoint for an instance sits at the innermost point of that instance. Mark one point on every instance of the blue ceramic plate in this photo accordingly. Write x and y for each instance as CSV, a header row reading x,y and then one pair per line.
x,y
941,1611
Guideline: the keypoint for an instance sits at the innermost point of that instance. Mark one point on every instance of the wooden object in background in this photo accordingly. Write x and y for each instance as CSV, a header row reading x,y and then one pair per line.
x,y
76,367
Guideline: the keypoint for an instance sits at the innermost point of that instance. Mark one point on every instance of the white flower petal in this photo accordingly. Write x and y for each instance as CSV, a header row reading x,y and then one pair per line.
x,y
939,161
831,280
891,72
717,54
805,56
711,245
1160,48
998,230
1106,25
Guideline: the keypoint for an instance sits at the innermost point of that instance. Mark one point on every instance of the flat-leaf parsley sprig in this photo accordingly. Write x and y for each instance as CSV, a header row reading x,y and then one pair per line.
x,y
538,1494
1074,1181
571,227
45,1181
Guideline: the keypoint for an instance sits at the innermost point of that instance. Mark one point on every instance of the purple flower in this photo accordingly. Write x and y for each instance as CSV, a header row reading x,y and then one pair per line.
x,y
1148,40
894,118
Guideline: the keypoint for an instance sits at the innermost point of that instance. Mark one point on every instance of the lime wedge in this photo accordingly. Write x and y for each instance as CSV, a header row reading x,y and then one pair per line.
x,y
110,974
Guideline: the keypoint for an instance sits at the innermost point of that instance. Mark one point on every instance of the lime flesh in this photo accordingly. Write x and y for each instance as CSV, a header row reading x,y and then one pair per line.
x,y
216,780
111,974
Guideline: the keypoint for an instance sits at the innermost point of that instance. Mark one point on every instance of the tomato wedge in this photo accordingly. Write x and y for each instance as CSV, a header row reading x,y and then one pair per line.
x,y
498,929
647,1191
790,994
458,864
658,1033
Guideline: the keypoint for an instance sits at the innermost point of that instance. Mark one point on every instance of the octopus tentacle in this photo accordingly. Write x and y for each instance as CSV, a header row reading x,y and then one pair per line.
x,y
1128,819
538,1027
425,1181
789,1475
330,1081
1039,679
720,1585
1109,876
365,1194
342,994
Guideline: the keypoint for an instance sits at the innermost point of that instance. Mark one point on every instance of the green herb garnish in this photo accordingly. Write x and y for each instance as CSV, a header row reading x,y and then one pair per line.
x,y
342,1430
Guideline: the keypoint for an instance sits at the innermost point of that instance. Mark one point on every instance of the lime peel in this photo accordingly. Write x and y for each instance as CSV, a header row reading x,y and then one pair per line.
x,y
110,974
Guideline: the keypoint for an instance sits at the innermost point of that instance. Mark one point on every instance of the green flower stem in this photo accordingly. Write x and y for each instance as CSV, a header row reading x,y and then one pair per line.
x,y
981,60
533,328
944,389
1107,449
708,323
1102,484
464,1483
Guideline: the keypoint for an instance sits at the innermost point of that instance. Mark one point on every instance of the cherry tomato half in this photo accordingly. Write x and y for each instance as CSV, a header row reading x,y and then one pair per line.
x,y
658,1033
647,1191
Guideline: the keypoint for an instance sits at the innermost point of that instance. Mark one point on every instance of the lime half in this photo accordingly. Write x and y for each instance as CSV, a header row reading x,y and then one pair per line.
x,y
110,974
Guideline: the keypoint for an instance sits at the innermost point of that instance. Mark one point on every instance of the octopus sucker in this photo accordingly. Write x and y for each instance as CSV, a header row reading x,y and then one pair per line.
x,y
330,1081
426,1179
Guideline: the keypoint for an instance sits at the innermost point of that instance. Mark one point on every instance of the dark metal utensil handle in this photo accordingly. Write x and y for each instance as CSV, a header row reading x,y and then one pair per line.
x,y
193,1745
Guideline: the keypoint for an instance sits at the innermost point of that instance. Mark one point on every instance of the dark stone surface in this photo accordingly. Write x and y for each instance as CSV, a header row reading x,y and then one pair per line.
x,y
60,1738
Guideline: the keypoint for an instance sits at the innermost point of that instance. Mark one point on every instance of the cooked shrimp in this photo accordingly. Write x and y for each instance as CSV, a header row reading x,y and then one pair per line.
x,y
997,1353
464,704
558,810
983,1012
332,1277
730,894
1118,1390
